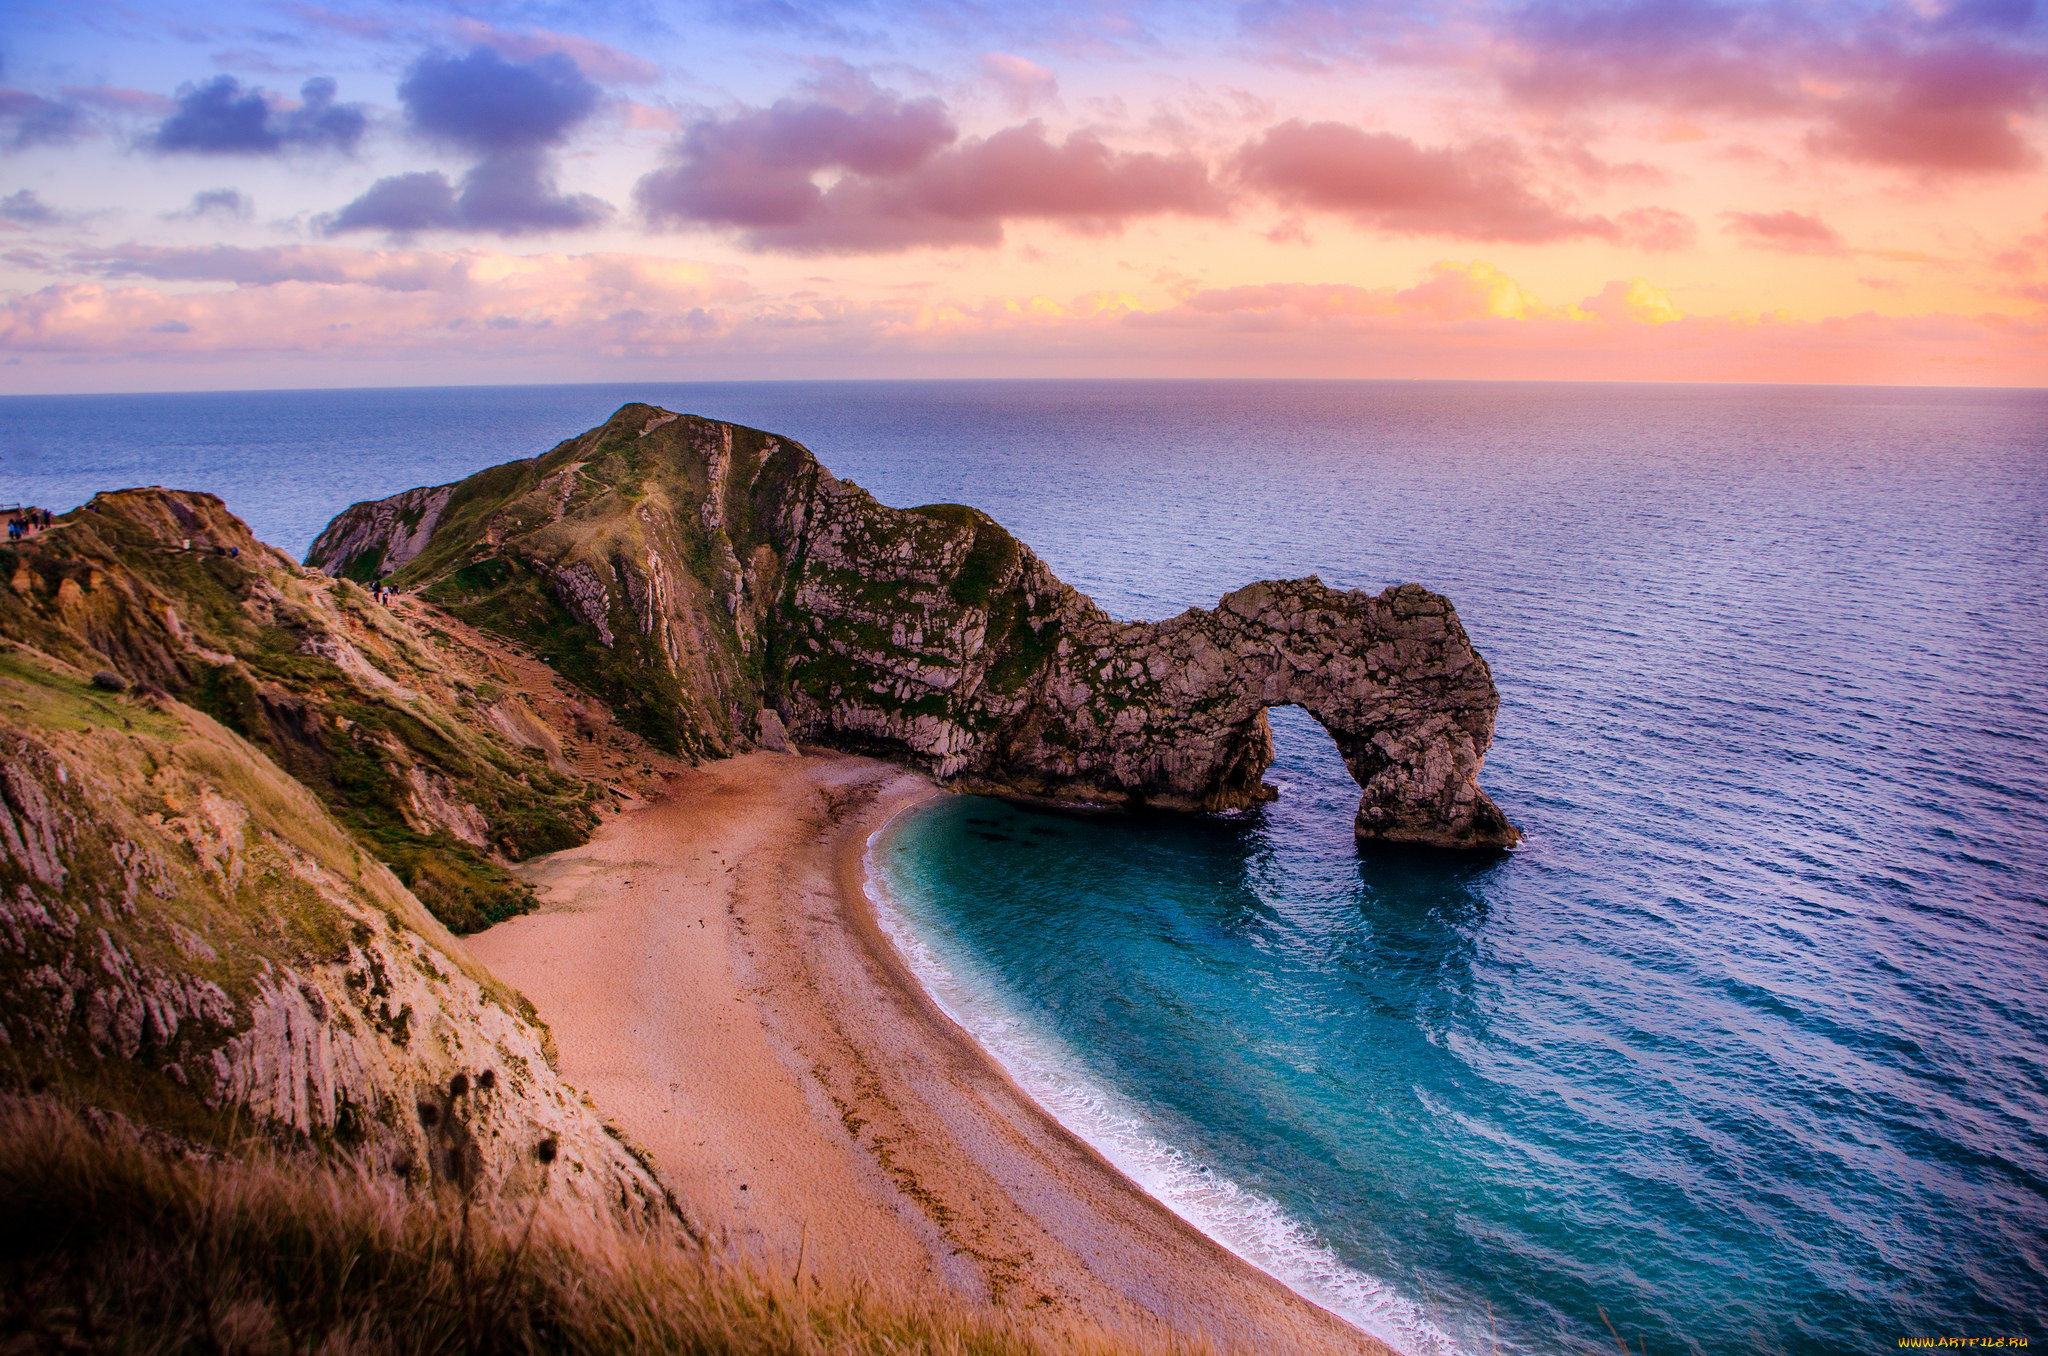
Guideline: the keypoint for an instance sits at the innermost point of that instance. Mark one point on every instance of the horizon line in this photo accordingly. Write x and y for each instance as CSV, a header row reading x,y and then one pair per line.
x,y
1033,380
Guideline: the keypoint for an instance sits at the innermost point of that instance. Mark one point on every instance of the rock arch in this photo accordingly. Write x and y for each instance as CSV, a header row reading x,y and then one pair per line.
x,y
1174,712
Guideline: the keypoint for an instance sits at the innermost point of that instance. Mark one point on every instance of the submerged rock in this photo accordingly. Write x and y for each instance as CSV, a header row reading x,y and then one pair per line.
x,y
720,587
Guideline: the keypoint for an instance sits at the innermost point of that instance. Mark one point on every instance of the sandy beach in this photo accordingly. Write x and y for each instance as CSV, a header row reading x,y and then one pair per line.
x,y
714,977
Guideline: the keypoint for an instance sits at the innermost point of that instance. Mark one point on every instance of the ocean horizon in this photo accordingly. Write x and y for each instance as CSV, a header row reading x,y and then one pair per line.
x,y
1744,1048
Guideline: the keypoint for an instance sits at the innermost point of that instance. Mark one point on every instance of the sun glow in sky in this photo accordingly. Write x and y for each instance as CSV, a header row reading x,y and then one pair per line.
x,y
288,194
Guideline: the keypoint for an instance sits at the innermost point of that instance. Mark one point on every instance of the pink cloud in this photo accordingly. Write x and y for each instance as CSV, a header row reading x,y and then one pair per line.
x,y
118,99
1793,232
1023,82
308,300
1474,192
1656,228
646,117
904,179
1939,95
600,60
354,25
1679,54
1951,110
2026,254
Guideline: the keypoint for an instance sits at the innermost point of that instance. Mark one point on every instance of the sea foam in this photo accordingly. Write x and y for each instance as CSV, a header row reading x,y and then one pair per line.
x,y
1248,1223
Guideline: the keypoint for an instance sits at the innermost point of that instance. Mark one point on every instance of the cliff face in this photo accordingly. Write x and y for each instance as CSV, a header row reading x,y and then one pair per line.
x,y
421,745
720,587
188,937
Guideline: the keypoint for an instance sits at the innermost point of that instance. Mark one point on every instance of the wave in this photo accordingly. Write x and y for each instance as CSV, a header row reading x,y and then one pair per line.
x,y
1248,1223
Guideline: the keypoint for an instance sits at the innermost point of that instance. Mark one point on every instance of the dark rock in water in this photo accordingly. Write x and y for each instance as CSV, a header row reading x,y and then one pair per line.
x,y
697,573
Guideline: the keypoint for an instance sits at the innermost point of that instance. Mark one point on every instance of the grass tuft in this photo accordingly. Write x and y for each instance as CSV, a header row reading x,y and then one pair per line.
x,y
114,1244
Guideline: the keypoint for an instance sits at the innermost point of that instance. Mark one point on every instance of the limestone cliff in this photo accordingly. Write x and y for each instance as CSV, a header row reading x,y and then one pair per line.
x,y
188,937
719,586
431,751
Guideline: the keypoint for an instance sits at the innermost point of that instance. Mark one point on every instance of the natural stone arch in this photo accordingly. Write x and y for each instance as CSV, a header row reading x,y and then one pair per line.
x,y
1392,677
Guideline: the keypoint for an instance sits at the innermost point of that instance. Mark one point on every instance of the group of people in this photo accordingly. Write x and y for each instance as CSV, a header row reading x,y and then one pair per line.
x,y
384,593
26,521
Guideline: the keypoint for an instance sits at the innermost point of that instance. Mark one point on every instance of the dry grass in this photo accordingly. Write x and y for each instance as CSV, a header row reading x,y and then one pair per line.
x,y
111,1245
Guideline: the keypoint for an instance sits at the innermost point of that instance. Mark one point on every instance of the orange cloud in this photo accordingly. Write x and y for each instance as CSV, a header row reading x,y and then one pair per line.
x,y
487,315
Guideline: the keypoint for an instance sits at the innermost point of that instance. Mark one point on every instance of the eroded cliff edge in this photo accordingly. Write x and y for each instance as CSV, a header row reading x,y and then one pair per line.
x,y
241,807
721,588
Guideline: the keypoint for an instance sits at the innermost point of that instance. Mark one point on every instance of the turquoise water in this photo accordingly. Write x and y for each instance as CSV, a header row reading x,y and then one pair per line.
x,y
1745,1047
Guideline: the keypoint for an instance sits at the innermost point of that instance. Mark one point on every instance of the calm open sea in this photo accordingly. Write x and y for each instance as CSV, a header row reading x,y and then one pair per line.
x,y
1745,1048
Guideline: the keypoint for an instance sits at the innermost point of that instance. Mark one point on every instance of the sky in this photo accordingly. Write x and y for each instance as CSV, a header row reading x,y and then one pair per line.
x,y
269,193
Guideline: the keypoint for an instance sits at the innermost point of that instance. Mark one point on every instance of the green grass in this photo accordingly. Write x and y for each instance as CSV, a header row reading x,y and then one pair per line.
x,y
505,595
116,1245
42,697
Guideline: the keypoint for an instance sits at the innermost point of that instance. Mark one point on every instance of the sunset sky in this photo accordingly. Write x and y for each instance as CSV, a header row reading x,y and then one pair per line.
x,y
285,194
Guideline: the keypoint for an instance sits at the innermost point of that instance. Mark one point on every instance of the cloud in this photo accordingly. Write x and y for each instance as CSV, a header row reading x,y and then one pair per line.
x,y
215,204
1022,82
1318,34
354,25
483,103
24,208
31,120
509,194
1656,228
294,312
1473,192
119,99
1631,301
310,300
1452,292
1932,92
1948,110
387,270
219,117
1792,232
2026,253
597,59
904,179
511,114
514,194
1685,54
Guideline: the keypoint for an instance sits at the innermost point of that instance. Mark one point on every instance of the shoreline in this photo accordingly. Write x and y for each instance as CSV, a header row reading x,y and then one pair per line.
x,y
717,978
1246,1223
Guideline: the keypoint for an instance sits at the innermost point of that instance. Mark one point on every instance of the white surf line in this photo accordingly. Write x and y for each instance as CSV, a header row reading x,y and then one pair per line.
x,y
1247,1223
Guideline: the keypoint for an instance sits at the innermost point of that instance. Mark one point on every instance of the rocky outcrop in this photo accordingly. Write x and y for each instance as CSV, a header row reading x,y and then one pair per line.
x,y
370,546
406,733
702,575
187,937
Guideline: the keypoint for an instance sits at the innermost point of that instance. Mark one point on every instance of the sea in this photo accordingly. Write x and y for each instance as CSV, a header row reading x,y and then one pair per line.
x,y
1744,1049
